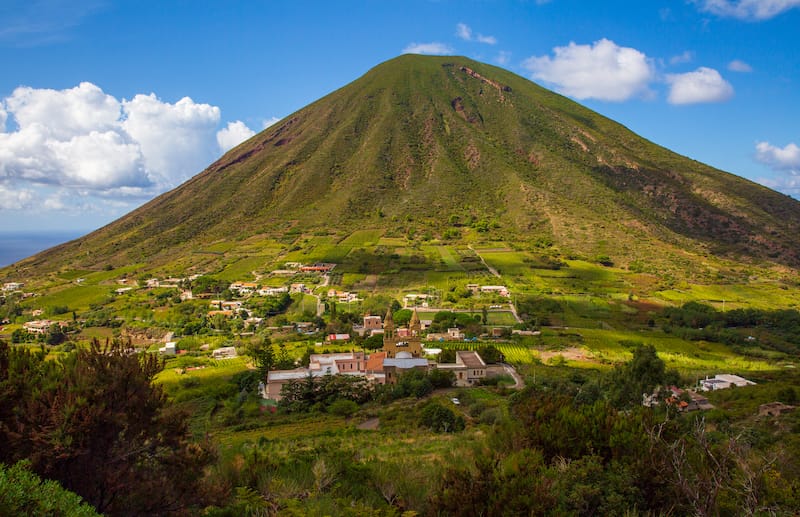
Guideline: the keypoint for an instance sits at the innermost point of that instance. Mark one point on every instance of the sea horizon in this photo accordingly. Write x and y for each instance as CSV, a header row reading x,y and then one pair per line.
x,y
17,245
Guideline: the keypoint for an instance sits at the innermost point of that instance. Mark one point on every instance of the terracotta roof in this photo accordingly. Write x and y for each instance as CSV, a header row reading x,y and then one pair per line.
x,y
375,362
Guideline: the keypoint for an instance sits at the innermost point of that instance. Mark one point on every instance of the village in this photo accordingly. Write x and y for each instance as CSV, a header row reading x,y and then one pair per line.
x,y
402,348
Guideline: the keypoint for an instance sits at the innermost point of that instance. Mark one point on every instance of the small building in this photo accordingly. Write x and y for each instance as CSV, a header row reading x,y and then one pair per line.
x,y
42,326
227,314
347,363
13,286
273,291
375,362
305,327
243,288
496,289
225,352
455,333
338,337
319,267
170,348
414,299
724,381
469,368
394,367
276,379
373,323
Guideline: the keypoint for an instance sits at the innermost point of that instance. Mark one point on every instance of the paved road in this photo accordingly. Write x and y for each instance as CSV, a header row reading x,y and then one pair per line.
x,y
518,382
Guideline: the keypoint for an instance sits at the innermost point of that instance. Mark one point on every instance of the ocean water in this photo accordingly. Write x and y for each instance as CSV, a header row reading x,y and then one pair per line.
x,y
16,246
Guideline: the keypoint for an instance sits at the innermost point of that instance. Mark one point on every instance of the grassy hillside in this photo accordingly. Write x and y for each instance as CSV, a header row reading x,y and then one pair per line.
x,y
445,147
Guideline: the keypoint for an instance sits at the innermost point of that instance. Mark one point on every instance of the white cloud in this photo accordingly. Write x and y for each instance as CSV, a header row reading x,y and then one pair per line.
x,y
749,10
503,57
602,71
739,66
232,135
786,159
684,57
93,146
789,184
433,48
268,122
176,139
15,199
98,160
464,32
64,113
702,85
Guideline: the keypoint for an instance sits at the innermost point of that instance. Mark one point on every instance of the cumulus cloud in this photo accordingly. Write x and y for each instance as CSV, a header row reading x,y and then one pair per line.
x,y
702,85
602,71
786,159
11,199
749,10
232,135
64,113
89,144
433,48
464,32
174,138
684,57
739,66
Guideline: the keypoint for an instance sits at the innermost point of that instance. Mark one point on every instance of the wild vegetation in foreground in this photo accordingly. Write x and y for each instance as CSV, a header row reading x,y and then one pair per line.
x,y
573,442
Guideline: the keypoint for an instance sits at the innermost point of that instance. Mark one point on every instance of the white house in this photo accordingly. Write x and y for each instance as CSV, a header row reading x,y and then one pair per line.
x,y
724,381
225,352
169,348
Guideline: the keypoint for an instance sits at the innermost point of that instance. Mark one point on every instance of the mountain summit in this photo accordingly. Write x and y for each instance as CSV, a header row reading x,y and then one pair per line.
x,y
423,145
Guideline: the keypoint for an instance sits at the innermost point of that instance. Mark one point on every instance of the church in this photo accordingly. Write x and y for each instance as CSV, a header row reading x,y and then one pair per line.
x,y
410,342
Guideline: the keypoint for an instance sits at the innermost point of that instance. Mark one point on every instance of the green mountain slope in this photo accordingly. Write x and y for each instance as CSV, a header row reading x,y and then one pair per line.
x,y
436,143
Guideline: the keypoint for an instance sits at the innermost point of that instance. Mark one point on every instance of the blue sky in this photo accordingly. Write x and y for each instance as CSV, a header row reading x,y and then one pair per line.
x,y
104,104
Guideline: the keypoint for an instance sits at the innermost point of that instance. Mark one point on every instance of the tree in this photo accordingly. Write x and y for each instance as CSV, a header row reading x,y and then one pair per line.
x,y
22,492
440,419
641,375
442,378
491,354
263,355
447,355
97,423
343,407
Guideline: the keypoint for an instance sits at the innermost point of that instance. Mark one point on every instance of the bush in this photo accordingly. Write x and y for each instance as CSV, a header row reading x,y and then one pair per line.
x,y
440,419
23,493
343,407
